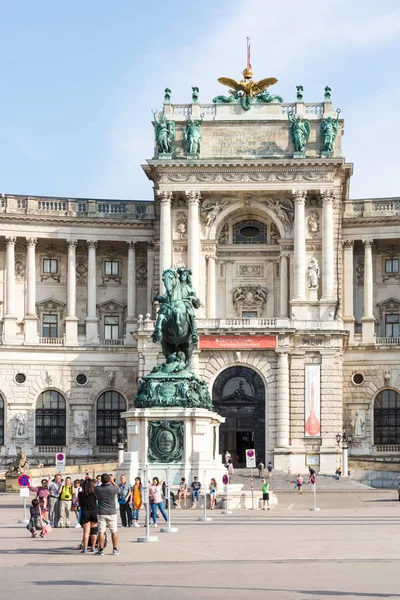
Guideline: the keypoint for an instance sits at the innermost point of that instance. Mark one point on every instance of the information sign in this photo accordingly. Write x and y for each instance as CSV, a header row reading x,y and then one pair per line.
x,y
24,492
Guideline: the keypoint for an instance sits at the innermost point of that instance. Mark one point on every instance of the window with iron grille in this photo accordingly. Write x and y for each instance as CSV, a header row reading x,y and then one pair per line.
x,y
1,421
111,328
249,232
50,326
51,419
387,417
110,405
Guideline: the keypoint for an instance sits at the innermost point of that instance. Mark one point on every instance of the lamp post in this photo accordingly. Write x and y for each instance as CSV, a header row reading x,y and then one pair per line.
x,y
344,441
121,444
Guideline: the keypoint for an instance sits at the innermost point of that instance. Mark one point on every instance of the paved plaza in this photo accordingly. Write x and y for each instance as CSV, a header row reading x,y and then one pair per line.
x,y
349,549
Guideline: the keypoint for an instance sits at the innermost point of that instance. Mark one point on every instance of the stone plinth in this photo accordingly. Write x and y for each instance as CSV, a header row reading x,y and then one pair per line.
x,y
184,439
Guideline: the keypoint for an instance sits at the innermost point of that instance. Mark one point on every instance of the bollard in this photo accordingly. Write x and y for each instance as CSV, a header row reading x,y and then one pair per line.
x,y
146,501
314,485
204,518
225,481
168,529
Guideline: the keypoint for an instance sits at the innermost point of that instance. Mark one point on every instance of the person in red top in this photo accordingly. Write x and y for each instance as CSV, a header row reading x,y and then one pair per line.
x,y
42,493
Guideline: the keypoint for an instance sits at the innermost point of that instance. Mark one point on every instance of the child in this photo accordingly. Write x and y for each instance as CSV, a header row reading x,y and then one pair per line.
x,y
36,521
265,493
299,484
182,492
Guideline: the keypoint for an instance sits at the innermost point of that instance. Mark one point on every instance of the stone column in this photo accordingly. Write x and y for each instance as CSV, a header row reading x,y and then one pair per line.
x,y
194,238
92,336
150,278
211,291
30,320
10,318
348,301
71,321
299,255
327,245
165,233
283,401
284,287
368,320
131,294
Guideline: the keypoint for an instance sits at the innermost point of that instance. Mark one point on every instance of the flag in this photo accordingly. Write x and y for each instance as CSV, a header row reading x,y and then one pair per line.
x,y
248,54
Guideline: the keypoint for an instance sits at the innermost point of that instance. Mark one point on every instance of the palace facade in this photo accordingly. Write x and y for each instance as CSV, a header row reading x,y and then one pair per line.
x,y
299,288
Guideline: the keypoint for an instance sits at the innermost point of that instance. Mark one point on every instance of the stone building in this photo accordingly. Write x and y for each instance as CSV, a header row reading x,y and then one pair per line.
x,y
300,316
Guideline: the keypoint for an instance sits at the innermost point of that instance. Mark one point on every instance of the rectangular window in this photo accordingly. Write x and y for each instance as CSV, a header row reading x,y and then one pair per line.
x,y
50,265
111,267
50,326
392,326
391,265
249,314
111,328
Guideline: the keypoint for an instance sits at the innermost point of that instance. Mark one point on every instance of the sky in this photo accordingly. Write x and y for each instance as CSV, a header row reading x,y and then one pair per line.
x,y
80,79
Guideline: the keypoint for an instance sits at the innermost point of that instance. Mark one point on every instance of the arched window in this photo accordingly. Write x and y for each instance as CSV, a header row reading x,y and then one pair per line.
x,y
110,405
387,417
249,232
51,416
1,421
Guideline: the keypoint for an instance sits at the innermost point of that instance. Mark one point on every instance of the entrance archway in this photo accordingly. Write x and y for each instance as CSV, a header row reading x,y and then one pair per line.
x,y
239,395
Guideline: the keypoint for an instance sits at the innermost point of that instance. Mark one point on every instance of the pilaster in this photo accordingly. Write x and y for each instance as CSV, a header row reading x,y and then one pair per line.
x,y
71,320
30,319
10,318
92,336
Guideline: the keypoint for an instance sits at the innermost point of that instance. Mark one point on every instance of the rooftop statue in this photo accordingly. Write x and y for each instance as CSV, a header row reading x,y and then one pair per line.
x,y
165,134
246,89
329,131
192,135
299,132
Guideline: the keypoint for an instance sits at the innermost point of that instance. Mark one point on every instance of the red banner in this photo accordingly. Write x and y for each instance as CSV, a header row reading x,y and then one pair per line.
x,y
237,342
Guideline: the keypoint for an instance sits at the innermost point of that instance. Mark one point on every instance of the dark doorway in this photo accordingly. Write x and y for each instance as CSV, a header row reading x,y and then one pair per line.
x,y
239,396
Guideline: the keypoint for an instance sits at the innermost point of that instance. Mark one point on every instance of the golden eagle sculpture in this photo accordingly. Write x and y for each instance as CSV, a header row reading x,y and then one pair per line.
x,y
247,89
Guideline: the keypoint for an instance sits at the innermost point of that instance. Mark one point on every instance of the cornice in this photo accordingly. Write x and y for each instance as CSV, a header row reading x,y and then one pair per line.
x,y
77,221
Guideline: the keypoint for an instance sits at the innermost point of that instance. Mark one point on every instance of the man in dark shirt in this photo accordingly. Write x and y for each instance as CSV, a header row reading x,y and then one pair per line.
x,y
196,487
107,511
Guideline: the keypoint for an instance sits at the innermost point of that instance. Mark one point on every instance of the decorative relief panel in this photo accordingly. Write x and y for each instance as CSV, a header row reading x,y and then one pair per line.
x,y
246,177
223,237
360,269
141,266
274,234
81,267
249,297
313,224
250,270
181,226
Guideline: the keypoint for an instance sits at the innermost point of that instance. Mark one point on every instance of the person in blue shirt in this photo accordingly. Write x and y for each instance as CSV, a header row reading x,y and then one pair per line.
x,y
196,487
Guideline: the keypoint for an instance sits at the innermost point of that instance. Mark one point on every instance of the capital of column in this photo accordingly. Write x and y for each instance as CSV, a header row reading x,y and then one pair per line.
x,y
31,242
348,244
327,196
91,244
368,243
299,196
132,246
210,256
164,196
150,247
72,244
193,197
11,241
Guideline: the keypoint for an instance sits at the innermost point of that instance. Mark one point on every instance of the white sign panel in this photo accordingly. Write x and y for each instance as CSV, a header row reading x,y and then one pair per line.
x,y
24,492
250,458
60,461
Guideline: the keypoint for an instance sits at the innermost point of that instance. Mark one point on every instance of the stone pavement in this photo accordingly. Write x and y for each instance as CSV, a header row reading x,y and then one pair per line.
x,y
350,549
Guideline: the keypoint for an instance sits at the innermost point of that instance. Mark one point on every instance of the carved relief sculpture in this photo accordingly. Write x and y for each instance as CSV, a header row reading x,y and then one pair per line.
x,y
313,224
223,237
249,296
358,423
274,234
210,210
181,226
20,425
81,425
284,213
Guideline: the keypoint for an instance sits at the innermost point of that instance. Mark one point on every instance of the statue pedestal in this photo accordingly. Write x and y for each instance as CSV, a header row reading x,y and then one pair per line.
x,y
326,154
192,156
299,155
184,439
164,155
313,295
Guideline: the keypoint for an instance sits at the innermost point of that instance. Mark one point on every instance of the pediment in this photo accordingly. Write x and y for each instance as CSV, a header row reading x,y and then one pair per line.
x,y
111,305
50,304
389,304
